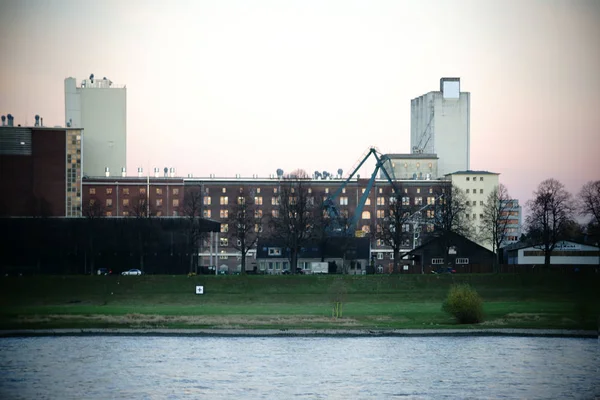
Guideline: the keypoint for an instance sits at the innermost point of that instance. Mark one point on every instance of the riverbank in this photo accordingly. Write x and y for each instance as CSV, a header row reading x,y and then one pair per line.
x,y
302,332
378,303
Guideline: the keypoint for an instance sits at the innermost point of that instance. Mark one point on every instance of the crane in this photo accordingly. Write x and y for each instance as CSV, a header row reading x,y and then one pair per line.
x,y
332,210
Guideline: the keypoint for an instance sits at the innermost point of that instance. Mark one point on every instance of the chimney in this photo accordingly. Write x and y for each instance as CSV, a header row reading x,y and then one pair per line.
x,y
123,173
140,172
106,172
172,172
156,172
3,120
42,121
37,120
10,119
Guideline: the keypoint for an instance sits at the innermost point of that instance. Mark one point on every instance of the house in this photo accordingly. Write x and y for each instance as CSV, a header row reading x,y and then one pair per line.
x,y
452,251
344,255
565,253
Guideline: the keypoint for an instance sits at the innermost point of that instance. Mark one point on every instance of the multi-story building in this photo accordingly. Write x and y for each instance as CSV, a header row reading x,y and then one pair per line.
x,y
100,107
511,210
477,186
40,171
440,124
166,196
411,166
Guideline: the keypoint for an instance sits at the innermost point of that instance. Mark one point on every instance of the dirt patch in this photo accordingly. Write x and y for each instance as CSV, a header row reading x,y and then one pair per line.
x,y
220,321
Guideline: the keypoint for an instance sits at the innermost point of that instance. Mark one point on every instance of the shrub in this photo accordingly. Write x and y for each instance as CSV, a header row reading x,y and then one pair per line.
x,y
463,302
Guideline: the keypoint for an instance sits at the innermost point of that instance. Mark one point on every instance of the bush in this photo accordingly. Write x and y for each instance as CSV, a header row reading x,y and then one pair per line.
x,y
463,302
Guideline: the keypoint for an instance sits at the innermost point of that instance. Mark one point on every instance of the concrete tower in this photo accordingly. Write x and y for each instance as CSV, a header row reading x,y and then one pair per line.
x,y
100,108
440,124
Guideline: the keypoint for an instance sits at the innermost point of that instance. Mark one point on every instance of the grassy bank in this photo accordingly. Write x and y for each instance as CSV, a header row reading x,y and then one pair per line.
x,y
401,301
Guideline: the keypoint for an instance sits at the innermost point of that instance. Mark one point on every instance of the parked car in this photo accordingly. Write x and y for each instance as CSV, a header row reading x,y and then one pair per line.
x,y
104,271
132,272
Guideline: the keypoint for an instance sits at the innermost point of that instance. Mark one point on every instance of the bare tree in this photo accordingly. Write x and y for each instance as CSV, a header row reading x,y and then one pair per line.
x,y
496,217
589,205
295,221
93,210
391,228
143,211
244,223
451,216
551,212
192,210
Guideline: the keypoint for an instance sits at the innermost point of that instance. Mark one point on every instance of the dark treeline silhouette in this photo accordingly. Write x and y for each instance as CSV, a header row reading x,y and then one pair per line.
x,y
83,245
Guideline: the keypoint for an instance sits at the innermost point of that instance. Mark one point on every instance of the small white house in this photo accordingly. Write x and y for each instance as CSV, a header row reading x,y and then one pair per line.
x,y
565,253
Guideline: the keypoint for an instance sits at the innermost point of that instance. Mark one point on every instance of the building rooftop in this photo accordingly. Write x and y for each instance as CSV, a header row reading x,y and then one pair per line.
x,y
470,172
411,156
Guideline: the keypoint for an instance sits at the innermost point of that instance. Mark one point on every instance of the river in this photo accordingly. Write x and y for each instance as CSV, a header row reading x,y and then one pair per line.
x,y
119,367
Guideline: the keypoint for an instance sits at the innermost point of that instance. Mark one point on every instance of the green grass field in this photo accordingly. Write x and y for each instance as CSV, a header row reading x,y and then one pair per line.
x,y
541,300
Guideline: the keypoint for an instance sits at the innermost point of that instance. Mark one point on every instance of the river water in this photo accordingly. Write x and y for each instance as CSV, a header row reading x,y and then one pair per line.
x,y
109,367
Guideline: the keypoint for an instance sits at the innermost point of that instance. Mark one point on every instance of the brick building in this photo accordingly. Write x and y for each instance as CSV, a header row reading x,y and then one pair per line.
x,y
40,171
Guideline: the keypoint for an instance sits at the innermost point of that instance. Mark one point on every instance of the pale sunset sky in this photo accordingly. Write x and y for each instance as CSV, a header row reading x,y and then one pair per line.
x,y
228,87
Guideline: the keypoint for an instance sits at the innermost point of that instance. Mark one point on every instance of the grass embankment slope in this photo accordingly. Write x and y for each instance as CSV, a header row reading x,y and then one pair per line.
x,y
561,301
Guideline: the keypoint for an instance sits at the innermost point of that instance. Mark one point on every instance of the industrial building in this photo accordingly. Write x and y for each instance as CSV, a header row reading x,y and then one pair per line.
x,y
40,170
100,107
440,125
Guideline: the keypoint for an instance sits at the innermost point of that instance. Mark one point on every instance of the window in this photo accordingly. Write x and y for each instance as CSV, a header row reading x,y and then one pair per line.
x,y
92,190
125,190
207,201
258,214
206,213
366,215
326,190
224,190
158,190
480,216
343,201
480,202
224,228
241,190
431,200
437,261
175,213
380,256
206,190
224,200
175,202
109,213
257,228
275,213
430,190
418,190
158,202
481,191
474,216
481,178
108,202
275,190
381,201
176,191
380,190
224,242
380,213
380,242
159,213
125,213
430,213
468,203
418,201
391,256
258,190
142,190
274,251
405,227
258,201
405,190
274,201
405,201
467,191
108,190
241,200
344,190
368,202
462,261
224,213
363,190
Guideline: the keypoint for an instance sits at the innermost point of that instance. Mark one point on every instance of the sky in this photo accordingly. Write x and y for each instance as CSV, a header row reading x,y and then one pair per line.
x,y
247,87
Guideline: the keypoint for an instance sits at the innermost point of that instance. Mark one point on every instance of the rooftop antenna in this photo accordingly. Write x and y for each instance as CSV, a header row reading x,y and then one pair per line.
x,y
3,120
92,78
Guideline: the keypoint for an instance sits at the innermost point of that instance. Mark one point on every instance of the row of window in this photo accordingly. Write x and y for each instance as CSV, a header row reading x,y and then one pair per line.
x,y
126,203
142,191
458,261
475,178
475,191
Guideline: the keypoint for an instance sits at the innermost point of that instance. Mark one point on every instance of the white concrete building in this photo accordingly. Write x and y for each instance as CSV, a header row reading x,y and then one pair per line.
x,y
410,166
440,124
477,186
99,107
565,253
